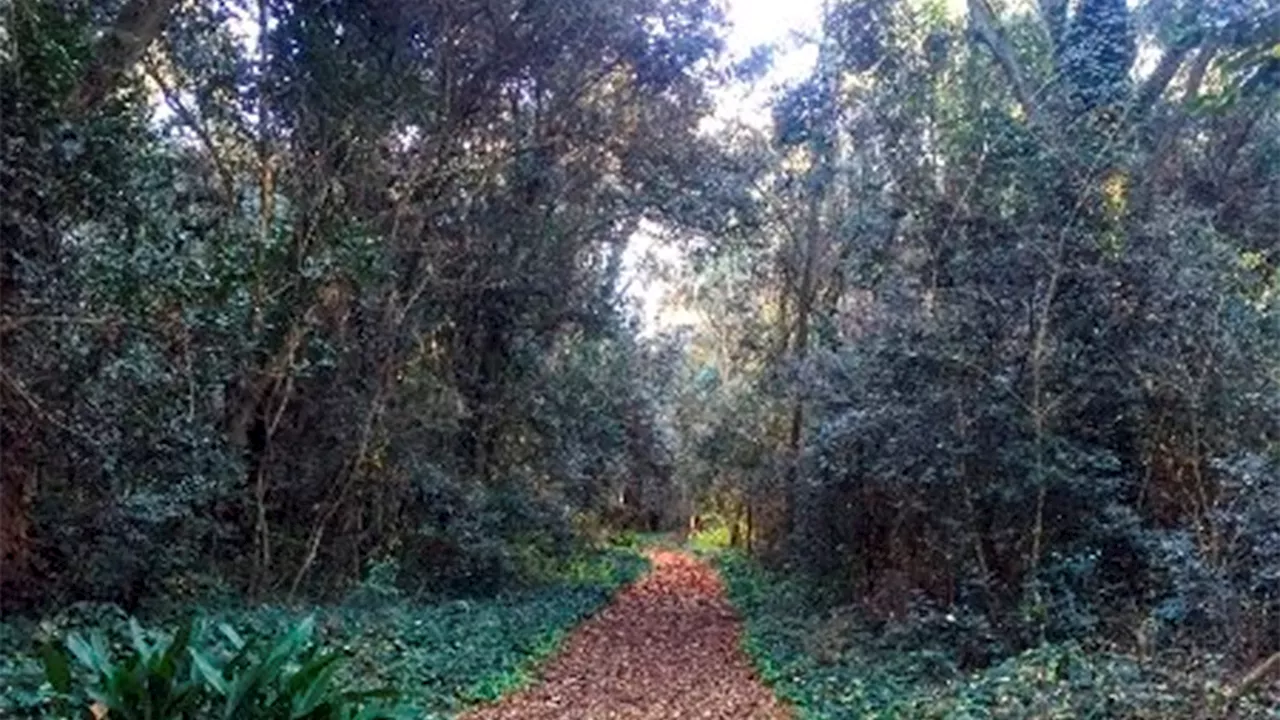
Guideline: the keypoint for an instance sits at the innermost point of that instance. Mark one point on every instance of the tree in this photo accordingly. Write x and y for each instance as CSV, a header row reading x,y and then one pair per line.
x,y
319,307
1018,327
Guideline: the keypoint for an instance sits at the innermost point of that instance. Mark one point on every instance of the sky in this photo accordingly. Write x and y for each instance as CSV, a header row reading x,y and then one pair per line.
x,y
783,24
788,26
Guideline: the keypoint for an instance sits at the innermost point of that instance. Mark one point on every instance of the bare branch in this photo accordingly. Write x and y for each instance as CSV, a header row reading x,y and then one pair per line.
x,y
38,408
1255,676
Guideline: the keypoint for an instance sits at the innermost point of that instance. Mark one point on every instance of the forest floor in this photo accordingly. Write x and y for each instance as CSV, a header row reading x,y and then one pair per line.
x,y
667,647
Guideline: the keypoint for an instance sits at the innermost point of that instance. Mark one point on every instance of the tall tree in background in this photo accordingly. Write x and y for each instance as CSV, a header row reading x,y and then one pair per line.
x,y
1038,341
323,306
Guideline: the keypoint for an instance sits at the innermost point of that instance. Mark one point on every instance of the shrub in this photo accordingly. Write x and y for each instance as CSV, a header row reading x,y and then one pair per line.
x,y
185,676
916,669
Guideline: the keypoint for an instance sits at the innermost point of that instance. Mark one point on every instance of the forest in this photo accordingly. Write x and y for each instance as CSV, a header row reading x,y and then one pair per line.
x,y
326,389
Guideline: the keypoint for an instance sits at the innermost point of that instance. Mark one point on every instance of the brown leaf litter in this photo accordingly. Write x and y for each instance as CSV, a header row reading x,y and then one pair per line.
x,y
666,648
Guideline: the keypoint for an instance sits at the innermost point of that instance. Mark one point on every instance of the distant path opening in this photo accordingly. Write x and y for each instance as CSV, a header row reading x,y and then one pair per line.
x,y
666,648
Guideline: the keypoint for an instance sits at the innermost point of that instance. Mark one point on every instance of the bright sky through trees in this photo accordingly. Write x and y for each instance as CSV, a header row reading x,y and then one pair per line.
x,y
789,28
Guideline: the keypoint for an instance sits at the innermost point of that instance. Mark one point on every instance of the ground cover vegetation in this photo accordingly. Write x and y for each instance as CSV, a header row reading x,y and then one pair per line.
x,y
320,307
829,661
424,659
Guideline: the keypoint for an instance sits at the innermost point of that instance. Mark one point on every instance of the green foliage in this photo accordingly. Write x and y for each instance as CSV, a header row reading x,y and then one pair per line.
x,y
185,676
917,672
274,308
998,346
380,585
448,655
714,537
153,679
1098,50
783,621
324,301
437,657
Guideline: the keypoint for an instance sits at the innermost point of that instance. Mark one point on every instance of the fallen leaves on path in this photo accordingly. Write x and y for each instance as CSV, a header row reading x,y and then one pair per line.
x,y
666,648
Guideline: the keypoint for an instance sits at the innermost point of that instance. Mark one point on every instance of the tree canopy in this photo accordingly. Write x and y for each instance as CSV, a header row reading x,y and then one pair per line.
x,y
986,314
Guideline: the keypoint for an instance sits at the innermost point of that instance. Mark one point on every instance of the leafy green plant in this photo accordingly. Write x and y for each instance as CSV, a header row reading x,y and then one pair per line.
x,y
268,661
290,678
625,539
379,584
448,655
714,538
152,681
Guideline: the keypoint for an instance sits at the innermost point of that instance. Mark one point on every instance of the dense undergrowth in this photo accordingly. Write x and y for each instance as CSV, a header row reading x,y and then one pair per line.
x,y
830,661
439,657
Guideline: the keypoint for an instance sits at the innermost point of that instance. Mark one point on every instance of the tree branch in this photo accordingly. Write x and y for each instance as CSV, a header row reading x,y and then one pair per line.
x,y
20,389
1153,87
1166,133
983,24
139,23
1256,675
1195,78
190,120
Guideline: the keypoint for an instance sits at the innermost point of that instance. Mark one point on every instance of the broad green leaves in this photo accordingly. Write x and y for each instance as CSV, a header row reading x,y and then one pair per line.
x,y
186,676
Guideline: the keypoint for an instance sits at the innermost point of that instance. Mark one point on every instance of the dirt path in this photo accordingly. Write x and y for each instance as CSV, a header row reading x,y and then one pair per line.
x,y
666,648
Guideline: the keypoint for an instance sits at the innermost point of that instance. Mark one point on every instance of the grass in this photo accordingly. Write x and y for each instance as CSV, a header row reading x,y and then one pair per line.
x,y
442,657
828,666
